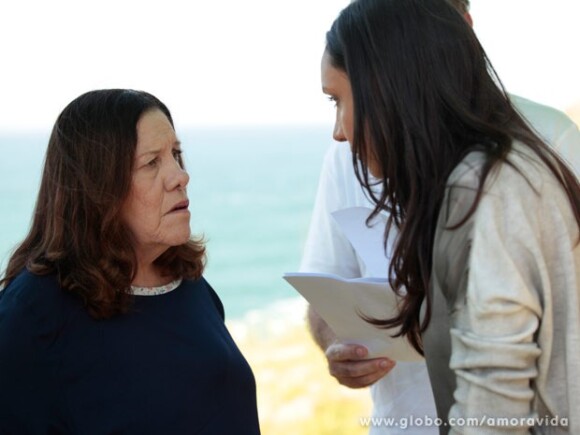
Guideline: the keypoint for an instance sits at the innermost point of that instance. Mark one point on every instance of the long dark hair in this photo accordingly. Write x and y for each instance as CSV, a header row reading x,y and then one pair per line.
x,y
425,95
76,230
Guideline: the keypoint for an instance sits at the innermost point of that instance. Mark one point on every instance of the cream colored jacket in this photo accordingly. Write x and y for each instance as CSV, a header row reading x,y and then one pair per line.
x,y
506,285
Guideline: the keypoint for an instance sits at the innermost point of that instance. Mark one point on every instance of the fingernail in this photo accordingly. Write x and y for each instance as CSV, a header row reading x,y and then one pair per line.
x,y
385,364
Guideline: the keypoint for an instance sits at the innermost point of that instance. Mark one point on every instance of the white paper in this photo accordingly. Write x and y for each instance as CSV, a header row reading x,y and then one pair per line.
x,y
341,302
367,241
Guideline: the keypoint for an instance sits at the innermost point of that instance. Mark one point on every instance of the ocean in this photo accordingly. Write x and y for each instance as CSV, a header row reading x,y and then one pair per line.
x,y
251,194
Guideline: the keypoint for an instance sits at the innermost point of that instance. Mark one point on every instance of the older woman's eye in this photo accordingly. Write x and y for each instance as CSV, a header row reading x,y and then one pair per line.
x,y
177,156
153,163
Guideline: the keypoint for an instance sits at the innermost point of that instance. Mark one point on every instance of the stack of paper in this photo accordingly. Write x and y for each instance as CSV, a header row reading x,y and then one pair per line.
x,y
344,303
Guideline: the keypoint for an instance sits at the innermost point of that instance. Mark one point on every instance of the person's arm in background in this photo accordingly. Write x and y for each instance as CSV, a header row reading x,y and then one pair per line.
x,y
328,251
346,362
568,145
554,126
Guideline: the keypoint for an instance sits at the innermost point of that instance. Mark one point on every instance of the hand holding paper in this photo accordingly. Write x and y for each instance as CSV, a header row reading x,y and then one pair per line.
x,y
344,303
341,302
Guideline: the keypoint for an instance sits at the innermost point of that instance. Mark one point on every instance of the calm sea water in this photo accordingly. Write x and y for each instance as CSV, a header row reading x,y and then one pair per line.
x,y
251,194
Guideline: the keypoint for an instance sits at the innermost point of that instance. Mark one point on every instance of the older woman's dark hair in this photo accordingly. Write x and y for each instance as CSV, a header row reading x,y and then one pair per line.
x,y
425,95
76,230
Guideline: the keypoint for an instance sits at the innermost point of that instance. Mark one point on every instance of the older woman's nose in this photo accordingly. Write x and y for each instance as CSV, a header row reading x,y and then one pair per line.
x,y
178,177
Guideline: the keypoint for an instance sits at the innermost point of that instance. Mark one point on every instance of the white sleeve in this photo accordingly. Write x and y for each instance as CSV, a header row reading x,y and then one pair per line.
x,y
568,145
554,126
326,249
494,325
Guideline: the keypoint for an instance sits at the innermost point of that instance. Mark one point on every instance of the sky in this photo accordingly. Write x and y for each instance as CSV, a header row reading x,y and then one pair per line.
x,y
234,62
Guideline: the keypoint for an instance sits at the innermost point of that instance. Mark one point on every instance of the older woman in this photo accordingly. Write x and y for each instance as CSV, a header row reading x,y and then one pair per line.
x,y
106,323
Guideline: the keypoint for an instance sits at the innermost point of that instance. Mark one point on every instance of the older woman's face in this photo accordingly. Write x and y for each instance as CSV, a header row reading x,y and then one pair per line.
x,y
156,211
336,85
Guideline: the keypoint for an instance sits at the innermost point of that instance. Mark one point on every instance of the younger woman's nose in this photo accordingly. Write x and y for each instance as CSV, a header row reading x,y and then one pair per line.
x,y
338,134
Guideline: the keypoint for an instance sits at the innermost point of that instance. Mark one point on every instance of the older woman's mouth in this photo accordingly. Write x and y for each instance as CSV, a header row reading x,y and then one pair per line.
x,y
180,206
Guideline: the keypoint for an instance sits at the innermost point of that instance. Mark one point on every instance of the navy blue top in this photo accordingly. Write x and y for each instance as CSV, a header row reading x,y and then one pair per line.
x,y
169,366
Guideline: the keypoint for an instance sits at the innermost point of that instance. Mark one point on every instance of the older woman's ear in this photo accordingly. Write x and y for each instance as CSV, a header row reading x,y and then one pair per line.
x,y
468,18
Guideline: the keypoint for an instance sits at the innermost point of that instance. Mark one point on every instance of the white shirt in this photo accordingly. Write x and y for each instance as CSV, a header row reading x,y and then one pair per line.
x,y
405,392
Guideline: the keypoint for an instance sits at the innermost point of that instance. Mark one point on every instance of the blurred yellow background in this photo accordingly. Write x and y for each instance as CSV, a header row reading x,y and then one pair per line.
x,y
296,395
